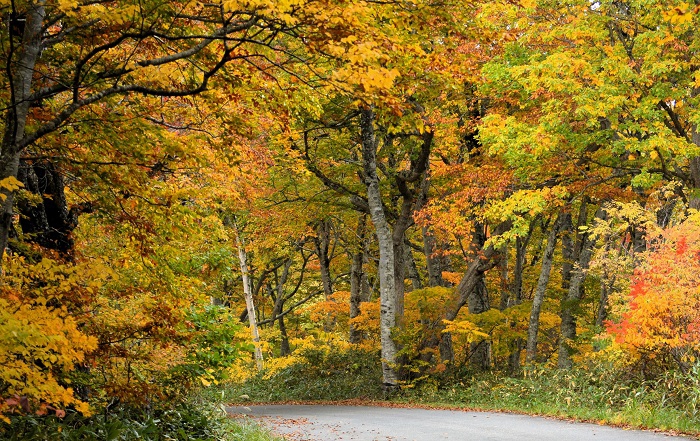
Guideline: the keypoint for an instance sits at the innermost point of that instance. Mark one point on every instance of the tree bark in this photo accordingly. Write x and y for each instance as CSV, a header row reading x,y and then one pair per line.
x,y
538,299
573,297
248,293
484,260
322,244
568,254
432,263
48,223
602,310
504,286
411,268
355,293
519,265
398,236
516,295
387,287
478,302
480,353
694,164
280,298
358,280
20,82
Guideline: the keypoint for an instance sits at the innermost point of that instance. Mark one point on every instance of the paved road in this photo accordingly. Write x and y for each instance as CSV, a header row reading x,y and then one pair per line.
x,y
365,423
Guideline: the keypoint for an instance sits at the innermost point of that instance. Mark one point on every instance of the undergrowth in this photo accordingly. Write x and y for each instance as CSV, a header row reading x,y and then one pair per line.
x,y
599,394
192,421
320,375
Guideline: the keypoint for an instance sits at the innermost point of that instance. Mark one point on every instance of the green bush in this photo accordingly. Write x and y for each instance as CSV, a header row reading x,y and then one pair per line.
x,y
184,422
319,375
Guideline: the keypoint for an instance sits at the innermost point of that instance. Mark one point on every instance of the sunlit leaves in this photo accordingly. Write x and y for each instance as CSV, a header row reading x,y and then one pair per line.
x,y
43,311
663,319
10,184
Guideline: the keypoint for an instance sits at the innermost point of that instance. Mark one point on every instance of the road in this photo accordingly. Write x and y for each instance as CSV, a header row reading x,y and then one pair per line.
x,y
366,423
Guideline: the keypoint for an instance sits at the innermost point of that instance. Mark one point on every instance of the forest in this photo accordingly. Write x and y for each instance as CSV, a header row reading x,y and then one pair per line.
x,y
491,203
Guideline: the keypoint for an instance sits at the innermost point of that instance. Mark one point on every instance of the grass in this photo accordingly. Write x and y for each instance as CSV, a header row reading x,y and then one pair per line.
x,y
245,430
195,420
572,395
598,394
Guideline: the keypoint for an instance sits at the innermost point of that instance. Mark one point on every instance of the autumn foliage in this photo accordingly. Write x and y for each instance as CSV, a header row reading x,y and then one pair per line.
x,y
41,339
450,187
662,318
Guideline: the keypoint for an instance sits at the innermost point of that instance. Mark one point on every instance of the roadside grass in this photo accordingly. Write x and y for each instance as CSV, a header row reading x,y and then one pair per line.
x,y
243,430
583,395
600,394
195,420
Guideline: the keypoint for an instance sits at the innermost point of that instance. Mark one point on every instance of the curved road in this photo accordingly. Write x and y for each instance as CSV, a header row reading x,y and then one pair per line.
x,y
365,423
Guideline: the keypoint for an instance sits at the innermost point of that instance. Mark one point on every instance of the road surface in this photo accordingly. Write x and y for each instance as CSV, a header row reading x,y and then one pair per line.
x,y
366,423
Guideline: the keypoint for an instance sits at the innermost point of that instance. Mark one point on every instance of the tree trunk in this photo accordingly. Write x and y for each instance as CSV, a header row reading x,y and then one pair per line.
x,y
322,245
399,272
538,299
285,349
279,298
567,249
570,304
478,302
433,264
404,221
516,295
480,353
694,165
358,280
517,287
248,293
17,111
484,260
514,356
48,223
387,288
505,291
411,268
602,310
520,256
355,293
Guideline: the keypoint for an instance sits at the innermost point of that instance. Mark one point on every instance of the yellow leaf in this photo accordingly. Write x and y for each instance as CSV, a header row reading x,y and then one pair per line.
x,y
10,183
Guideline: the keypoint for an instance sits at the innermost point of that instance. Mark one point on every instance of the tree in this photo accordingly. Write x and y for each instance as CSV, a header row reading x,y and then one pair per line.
x,y
387,280
661,319
248,293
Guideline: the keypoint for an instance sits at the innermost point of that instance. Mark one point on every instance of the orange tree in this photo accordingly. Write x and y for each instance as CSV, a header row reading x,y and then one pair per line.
x,y
662,318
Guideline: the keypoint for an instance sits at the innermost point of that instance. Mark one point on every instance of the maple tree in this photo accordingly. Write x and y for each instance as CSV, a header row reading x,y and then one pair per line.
x,y
661,319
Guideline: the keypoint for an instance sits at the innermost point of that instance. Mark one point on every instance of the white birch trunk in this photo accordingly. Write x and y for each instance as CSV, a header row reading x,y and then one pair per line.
x,y
387,287
248,293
